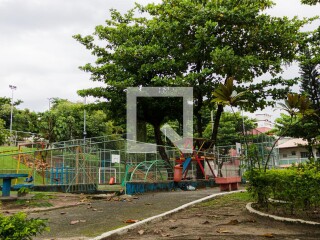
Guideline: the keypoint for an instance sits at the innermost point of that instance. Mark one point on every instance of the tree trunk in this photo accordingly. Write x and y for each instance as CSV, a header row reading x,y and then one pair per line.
x,y
216,124
162,150
142,131
198,115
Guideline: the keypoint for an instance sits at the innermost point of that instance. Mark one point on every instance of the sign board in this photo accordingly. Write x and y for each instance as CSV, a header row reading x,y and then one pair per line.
x,y
115,158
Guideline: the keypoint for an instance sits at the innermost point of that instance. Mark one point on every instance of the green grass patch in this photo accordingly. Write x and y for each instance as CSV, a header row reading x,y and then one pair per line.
x,y
239,197
38,200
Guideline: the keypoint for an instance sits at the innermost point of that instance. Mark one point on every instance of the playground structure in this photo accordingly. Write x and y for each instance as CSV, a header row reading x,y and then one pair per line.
x,y
81,165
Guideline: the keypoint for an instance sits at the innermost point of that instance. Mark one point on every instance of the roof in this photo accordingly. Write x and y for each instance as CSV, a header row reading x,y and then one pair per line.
x,y
259,130
294,142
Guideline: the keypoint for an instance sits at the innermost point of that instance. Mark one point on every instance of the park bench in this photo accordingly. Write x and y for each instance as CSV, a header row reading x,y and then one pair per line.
x,y
228,183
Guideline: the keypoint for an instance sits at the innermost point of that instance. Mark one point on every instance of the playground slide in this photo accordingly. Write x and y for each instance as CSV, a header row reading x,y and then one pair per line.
x,y
186,164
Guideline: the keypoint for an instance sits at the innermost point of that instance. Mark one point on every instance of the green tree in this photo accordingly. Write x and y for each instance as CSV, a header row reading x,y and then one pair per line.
x,y
5,109
231,128
192,43
3,132
304,109
65,121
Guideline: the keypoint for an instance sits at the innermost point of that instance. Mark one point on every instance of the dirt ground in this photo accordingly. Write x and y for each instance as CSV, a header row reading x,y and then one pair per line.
x,y
224,218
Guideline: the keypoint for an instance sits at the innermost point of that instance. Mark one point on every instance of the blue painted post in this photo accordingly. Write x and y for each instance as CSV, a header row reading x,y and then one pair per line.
x,y
51,176
6,187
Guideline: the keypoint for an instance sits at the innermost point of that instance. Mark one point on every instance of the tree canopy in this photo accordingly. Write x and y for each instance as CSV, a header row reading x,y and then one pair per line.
x,y
310,2
193,43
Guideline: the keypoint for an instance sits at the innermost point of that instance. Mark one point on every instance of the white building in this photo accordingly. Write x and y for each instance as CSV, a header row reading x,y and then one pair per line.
x,y
264,120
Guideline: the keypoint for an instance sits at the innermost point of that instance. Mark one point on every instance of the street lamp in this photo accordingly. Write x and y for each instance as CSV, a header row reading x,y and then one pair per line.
x,y
12,89
50,99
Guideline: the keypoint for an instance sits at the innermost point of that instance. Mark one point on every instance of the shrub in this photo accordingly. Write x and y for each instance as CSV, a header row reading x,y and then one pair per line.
x,y
297,185
23,191
18,227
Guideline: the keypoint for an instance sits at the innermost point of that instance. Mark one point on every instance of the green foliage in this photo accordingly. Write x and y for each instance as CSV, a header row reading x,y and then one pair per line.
x,y
3,133
65,121
23,191
310,2
230,128
227,95
18,227
191,43
297,185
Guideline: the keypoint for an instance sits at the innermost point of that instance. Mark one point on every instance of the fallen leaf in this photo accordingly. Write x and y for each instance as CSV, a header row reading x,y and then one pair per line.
x,y
83,221
172,220
206,222
223,231
268,235
165,234
94,209
141,232
148,204
198,215
233,222
62,213
251,220
131,221
173,227
74,222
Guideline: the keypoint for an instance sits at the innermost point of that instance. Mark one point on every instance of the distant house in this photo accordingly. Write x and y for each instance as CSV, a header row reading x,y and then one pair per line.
x,y
293,150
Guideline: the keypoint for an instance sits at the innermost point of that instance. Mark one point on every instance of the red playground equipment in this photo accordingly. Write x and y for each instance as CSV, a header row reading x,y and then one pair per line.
x,y
203,153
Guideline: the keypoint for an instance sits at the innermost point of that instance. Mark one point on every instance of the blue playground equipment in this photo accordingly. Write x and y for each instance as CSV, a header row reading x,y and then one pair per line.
x,y
60,174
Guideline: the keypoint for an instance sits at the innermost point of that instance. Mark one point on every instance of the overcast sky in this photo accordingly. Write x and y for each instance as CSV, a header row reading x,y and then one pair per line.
x,y
40,57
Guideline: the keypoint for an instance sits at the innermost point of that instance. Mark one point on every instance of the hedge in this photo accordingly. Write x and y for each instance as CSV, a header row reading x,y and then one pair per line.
x,y
299,186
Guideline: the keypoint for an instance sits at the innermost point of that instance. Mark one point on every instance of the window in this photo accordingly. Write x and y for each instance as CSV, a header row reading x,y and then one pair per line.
x,y
293,153
284,155
304,155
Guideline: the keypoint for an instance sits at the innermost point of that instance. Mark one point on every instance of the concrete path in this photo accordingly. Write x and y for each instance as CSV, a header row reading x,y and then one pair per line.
x,y
101,216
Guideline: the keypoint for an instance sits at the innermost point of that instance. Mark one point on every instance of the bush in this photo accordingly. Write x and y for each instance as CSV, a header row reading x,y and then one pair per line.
x,y
18,227
297,185
23,191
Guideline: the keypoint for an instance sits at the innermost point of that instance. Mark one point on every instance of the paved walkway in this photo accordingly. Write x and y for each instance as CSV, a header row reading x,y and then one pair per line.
x,y
101,216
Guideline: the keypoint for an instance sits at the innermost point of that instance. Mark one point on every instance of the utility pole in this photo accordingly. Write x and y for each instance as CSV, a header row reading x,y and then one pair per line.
x,y
84,120
12,89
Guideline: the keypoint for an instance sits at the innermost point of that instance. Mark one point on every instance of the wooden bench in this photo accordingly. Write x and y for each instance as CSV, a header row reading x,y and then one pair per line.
x,y
228,183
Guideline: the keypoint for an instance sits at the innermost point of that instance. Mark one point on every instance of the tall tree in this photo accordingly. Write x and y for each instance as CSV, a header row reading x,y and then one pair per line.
x,y
65,121
193,43
310,68
231,128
